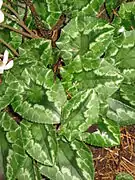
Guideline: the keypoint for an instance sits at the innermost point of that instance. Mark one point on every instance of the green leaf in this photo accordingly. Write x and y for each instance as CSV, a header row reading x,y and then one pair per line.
x,y
42,100
7,123
127,93
10,88
40,142
71,8
3,152
105,79
83,34
125,56
106,135
19,165
127,88
120,112
121,51
126,15
32,50
79,113
37,98
124,176
73,162
16,154
16,38
28,170
93,7
129,76
111,5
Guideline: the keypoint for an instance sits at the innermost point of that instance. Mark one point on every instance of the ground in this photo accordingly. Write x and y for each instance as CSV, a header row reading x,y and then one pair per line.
x,y
110,161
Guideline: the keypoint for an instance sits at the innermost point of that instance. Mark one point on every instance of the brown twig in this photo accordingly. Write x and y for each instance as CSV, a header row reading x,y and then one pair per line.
x,y
21,23
56,29
18,31
12,10
105,14
24,19
100,13
25,14
56,68
69,96
13,114
43,31
18,4
9,47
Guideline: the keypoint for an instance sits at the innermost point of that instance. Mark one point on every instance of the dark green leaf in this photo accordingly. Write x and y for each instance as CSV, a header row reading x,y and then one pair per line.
x,y
73,162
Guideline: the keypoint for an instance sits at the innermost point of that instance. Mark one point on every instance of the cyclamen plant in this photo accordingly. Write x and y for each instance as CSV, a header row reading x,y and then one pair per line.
x,y
72,66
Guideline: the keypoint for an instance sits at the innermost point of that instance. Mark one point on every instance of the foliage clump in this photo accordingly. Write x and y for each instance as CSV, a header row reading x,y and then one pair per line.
x,y
73,70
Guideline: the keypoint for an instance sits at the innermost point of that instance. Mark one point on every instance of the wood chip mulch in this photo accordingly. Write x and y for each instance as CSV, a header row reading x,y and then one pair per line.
x,y
111,161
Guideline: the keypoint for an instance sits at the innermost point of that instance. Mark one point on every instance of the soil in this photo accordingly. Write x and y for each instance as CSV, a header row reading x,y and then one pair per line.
x,y
110,161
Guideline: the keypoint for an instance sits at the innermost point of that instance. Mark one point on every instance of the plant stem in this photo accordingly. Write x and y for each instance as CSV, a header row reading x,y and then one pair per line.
x,y
21,23
38,21
18,31
9,47
45,32
12,10
16,4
